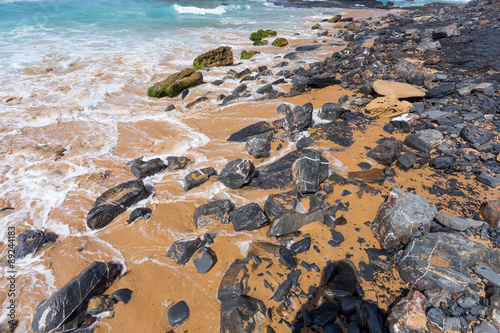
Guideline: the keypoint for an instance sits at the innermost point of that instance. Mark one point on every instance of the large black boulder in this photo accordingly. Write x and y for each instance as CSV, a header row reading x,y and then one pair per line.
x,y
65,310
237,173
115,201
309,171
31,241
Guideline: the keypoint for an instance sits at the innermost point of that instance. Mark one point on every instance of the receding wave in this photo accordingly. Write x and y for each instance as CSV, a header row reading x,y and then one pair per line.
x,y
204,11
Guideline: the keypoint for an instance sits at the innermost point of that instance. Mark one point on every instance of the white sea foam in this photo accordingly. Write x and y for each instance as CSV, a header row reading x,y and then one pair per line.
x,y
199,11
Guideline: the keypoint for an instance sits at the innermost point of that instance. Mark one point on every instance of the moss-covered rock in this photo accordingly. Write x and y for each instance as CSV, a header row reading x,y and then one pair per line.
x,y
260,42
248,54
316,26
176,83
261,34
221,56
280,42
335,19
354,28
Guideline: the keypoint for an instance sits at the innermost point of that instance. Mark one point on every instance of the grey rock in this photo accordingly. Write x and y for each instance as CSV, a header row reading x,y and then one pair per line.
x,y
249,217
265,89
242,314
457,223
282,291
487,273
283,108
259,146
198,177
437,317
484,327
215,211
177,162
237,173
400,216
453,324
178,314
304,142
309,171
488,179
204,260
234,283
299,118
476,135
387,152
142,169
291,222
441,162
279,204
249,131
424,141
330,111
228,99
122,295
299,83
406,161
183,249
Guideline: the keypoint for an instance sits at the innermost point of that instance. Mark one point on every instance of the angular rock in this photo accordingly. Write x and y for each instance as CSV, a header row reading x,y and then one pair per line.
x,y
183,249
234,283
405,122
437,317
476,135
237,173
177,162
309,171
291,222
282,291
265,89
32,241
457,223
141,212
408,315
204,260
279,204
221,56
249,217
122,295
441,162
424,141
299,83
142,169
488,179
441,261
178,314
65,309
369,176
299,118
399,217
212,212
242,314
249,131
176,83
387,152
115,201
198,177
406,161
259,146
487,273
396,89
440,91
491,212
330,111
388,106
304,142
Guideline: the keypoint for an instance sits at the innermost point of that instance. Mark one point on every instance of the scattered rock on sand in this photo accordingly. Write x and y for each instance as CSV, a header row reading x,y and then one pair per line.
x,y
309,171
387,152
176,83
178,314
249,217
198,177
237,173
183,249
212,212
388,106
291,222
259,146
32,241
221,56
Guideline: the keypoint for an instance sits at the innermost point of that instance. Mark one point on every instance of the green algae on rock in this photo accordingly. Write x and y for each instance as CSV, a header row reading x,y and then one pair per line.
x,y
280,42
176,83
261,34
248,54
221,56
354,28
316,26
335,19
260,42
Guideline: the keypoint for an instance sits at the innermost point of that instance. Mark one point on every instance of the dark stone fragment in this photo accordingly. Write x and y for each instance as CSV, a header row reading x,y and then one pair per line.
x,y
292,55
178,314
279,204
115,201
32,241
169,108
65,309
387,152
183,249
367,314
235,280
441,162
309,171
283,108
406,161
318,82
228,99
278,81
122,295
306,48
337,238
380,259
286,258
249,217
237,173
476,135
343,277
204,260
217,210
142,212
348,304
437,317
369,271
299,83
325,314
217,82
440,91
198,177
365,165
307,317
282,291
142,169
488,179
294,277
185,93
304,142
249,131
259,146
299,118
389,128
177,162
333,328
330,111
369,176
302,245
341,220
265,89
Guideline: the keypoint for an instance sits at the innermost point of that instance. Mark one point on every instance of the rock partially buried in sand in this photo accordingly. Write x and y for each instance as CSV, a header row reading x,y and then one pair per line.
x,y
115,201
408,315
237,173
291,222
176,83
396,89
178,314
242,314
183,249
400,216
32,241
388,106
198,177
280,42
142,169
387,152
221,56
204,260
215,211
245,133
234,283
65,309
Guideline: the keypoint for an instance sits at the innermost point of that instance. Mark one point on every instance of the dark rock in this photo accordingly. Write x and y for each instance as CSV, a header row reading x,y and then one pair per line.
x,y
142,212
115,201
424,141
283,108
178,314
204,260
437,317
484,327
278,204
249,217
215,211
221,56
300,83
318,82
365,165
476,135
218,82
387,152
234,283
406,161
330,111
306,48
241,314
259,146
299,118
282,291
32,241
198,177
291,222
380,259
228,99
265,89
325,314
488,179
183,249
441,162
237,173
441,261
65,309
169,108
440,91
400,216
490,211
249,131
122,295
301,246
337,238
488,274
286,258
309,171
177,162
184,94
142,169
369,176
304,142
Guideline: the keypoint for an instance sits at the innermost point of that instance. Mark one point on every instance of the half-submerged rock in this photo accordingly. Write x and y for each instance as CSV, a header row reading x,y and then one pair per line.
x,y
400,216
115,201
198,177
32,241
259,146
142,169
221,56
176,83
65,310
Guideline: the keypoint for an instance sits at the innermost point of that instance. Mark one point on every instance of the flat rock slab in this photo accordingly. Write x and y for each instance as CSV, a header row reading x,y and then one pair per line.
x,y
291,222
441,261
396,89
457,223
476,135
245,133
339,132
487,273
369,176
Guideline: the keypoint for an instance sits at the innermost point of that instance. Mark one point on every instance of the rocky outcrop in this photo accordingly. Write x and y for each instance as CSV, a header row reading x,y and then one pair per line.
x,y
66,308
221,56
115,201
176,83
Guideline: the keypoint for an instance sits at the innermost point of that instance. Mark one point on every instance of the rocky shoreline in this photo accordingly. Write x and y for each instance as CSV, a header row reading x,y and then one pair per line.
x,y
425,84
